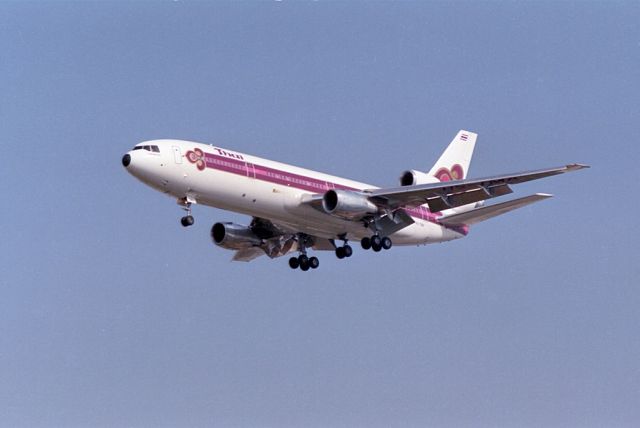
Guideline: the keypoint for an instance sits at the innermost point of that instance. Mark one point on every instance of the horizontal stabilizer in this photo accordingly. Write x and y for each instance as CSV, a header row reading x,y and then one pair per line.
x,y
485,213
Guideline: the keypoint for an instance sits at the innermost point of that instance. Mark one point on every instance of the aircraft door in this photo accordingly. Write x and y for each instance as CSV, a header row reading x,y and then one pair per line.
x,y
251,170
177,154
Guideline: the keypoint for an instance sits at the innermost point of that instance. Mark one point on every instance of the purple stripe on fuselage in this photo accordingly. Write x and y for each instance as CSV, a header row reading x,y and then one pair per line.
x,y
284,178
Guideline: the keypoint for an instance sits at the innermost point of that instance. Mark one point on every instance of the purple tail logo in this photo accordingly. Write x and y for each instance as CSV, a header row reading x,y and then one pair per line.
x,y
445,174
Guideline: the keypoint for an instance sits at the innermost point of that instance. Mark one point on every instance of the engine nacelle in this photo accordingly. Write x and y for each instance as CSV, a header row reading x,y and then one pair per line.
x,y
413,177
347,204
234,236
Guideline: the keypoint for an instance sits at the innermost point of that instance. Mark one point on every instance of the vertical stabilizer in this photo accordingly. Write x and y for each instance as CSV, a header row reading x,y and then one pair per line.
x,y
454,162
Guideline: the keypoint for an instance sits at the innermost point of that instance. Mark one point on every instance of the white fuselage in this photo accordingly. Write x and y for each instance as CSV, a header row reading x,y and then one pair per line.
x,y
233,181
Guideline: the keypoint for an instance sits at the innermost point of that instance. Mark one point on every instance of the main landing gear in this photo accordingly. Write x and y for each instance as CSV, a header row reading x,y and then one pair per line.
x,y
376,243
303,261
345,251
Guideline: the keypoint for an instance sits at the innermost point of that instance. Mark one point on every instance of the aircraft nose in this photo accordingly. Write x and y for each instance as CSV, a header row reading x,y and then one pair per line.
x,y
126,160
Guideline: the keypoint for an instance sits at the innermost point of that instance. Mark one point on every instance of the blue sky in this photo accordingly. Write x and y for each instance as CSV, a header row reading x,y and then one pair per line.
x,y
112,314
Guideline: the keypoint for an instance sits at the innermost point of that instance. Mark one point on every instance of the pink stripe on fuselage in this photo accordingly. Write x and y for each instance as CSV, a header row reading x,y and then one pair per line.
x,y
284,178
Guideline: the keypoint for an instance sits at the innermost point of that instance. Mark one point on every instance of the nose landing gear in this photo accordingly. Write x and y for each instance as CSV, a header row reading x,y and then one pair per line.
x,y
187,220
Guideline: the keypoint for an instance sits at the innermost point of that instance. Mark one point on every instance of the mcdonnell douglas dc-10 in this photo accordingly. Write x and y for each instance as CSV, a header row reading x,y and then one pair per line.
x,y
295,209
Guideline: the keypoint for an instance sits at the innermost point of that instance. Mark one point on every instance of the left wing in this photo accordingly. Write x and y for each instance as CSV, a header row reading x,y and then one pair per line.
x,y
248,254
276,241
451,194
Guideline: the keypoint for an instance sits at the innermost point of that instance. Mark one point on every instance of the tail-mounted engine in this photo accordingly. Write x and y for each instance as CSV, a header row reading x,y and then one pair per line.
x,y
413,177
347,204
234,236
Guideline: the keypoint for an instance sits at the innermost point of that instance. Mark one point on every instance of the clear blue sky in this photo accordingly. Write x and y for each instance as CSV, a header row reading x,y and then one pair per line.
x,y
112,314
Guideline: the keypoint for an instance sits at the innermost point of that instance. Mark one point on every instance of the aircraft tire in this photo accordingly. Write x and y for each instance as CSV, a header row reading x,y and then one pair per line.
x,y
376,247
294,263
365,243
187,221
376,241
340,253
386,243
314,262
347,250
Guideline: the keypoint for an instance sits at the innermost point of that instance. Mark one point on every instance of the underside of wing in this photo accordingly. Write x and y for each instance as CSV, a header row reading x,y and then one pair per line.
x,y
248,254
263,237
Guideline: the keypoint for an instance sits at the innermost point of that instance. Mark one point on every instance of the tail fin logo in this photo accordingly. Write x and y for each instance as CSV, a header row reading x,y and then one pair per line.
x,y
445,174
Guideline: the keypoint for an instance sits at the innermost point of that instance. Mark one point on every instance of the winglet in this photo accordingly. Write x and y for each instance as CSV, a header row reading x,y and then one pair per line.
x,y
576,166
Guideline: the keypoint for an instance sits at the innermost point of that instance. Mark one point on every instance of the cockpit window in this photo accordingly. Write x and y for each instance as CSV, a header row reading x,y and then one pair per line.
x,y
154,149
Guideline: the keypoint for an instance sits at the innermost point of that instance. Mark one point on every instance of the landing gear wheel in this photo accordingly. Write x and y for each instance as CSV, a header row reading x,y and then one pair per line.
x,y
347,250
386,243
340,253
187,221
376,248
304,265
365,243
314,262
376,241
294,263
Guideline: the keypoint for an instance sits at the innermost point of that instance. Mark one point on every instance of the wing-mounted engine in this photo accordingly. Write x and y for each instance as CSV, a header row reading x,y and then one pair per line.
x,y
260,238
348,204
234,236
413,177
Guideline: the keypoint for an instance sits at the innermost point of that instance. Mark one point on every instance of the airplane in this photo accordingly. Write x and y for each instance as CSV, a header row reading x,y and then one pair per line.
x,y
295,209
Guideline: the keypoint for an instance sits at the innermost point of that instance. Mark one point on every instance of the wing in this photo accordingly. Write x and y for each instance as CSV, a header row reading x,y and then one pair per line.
x,y
451,194
277,241
248,254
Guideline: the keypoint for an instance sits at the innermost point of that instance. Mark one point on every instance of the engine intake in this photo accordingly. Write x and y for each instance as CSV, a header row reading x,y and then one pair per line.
x,y
347,204
234,236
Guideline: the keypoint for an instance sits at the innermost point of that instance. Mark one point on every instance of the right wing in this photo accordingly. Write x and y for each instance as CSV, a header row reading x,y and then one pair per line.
x,y
451,194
